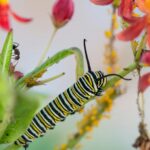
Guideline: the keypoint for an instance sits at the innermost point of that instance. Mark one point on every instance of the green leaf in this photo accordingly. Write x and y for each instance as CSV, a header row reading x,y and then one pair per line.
x,y
26,106
140,48
6,54
0,61
55,59
6,103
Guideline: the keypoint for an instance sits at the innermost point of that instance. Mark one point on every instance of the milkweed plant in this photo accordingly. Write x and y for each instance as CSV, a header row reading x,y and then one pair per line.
x,y
19,104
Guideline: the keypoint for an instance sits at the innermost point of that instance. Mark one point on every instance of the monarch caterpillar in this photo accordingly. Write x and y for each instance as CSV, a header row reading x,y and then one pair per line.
x,y
87,86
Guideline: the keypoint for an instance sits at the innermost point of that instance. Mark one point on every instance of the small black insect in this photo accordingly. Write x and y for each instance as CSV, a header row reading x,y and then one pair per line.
x,y
16,52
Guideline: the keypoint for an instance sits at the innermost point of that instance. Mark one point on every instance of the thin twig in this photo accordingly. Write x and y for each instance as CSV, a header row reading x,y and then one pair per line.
x,y
50,79
48,46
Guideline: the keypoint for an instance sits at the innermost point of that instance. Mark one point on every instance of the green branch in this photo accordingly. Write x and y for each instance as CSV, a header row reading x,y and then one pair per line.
x,y
122,73
140,48
42,82
54,60
48,46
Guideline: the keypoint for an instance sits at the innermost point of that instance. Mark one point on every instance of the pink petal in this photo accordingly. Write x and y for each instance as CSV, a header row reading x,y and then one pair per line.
x,y
145,58
19,18
144,82
125,11
125,8
133,31
4,17
101,2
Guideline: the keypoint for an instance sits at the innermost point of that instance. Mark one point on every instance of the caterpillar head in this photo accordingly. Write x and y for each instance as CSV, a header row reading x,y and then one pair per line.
x,y
99,79
95,81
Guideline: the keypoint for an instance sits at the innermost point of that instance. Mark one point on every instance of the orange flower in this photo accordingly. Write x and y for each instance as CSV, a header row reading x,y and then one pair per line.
x,y
5,12
144,5
139,23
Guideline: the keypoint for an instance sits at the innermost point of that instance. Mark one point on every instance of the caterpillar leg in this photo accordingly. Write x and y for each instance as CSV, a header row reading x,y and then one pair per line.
x,y
26,146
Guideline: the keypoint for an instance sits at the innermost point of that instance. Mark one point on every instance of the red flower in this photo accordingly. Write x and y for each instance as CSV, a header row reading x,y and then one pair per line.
x,y
133,31
5,12
144,82
125,10
139,23
62,12
145,58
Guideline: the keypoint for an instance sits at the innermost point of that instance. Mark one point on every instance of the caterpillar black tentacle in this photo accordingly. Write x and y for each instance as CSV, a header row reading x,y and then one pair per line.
x,y
66,103
86,55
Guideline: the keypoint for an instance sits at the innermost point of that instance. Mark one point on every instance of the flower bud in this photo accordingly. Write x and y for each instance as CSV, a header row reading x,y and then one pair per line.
x,y
62,12
18,75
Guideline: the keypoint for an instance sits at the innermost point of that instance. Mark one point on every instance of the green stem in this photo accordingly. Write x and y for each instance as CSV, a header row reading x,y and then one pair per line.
x,y
50,79
48,46
55,59
122,73
140,48
133,47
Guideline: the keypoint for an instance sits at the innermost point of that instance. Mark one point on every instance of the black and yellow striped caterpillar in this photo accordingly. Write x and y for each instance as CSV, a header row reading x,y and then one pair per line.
x,y
87,87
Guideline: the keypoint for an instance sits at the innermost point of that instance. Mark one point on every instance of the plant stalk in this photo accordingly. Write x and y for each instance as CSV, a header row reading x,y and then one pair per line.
x,y
48,47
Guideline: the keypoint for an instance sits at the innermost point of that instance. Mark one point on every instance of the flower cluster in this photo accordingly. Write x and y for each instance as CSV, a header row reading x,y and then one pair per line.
x,y
135,25
62,12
